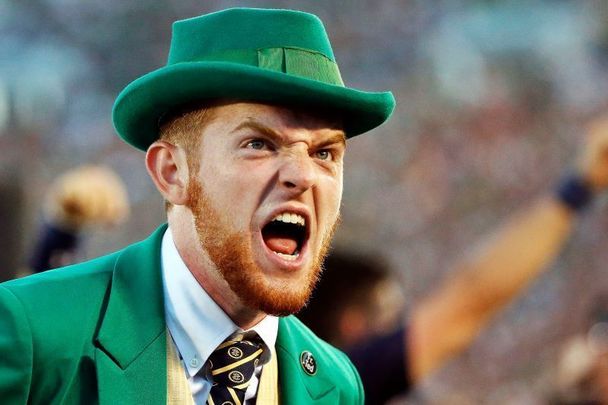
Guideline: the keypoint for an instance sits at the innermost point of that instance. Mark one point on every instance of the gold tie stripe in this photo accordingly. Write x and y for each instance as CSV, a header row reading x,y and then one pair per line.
x,y
247,359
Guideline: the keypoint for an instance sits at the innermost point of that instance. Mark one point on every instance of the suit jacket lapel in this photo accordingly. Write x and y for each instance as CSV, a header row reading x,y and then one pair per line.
x,y
298,387
131,342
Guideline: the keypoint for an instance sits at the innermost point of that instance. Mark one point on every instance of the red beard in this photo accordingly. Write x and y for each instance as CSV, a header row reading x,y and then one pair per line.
x,y
231,252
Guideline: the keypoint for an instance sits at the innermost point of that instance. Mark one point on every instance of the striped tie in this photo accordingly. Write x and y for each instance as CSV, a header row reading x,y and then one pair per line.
x,y
230,368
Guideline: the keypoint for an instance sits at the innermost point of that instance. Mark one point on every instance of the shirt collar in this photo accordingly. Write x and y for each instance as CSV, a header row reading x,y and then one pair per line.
x,y
197,324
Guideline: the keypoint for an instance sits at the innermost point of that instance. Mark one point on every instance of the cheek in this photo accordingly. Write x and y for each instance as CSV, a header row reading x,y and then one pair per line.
x,y
338,185
332,198
338,197
235,191
336,202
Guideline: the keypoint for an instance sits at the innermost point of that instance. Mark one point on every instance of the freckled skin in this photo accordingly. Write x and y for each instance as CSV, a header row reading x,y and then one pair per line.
x,y
256,161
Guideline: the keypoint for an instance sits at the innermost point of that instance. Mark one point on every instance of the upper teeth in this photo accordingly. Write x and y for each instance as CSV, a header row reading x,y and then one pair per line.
x,y
290,218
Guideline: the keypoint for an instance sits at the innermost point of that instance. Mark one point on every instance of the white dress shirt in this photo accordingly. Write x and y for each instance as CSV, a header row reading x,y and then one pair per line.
x,y
198,325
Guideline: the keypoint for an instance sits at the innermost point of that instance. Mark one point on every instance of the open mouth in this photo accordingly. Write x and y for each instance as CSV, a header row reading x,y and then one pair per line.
x,y
285,235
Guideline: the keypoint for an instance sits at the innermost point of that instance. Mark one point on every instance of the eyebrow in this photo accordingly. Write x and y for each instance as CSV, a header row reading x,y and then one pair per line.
x,y
338,138
275,136
252,124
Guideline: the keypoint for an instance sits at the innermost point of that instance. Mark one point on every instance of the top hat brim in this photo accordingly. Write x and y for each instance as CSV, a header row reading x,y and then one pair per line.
x,y
140,106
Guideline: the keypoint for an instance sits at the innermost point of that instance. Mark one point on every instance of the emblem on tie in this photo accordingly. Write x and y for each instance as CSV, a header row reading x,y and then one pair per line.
x,y
308,363
235,353
236,377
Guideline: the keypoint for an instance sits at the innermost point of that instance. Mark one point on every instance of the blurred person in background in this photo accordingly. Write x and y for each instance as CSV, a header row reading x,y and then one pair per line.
x,y
580,375
358,302
78,201
357,299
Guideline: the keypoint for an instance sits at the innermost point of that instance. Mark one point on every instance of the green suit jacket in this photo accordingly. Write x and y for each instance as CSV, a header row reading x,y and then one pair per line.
x,y
95,333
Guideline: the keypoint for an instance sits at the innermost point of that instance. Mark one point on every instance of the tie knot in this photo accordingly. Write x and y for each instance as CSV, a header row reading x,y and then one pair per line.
x,y
234,361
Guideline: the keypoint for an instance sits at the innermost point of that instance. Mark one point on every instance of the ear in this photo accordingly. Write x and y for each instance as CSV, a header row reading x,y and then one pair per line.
x,y
168,168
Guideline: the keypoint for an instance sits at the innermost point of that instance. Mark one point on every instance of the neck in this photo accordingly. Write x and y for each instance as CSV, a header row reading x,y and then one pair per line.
x,y
246,318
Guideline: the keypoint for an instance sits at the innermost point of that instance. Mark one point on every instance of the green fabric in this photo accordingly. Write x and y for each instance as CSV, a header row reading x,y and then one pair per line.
x,y
311,65
335,382
273,56
247,28
95,333
294,61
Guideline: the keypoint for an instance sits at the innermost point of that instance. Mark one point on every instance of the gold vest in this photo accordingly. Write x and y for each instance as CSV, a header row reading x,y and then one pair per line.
x,y
178,389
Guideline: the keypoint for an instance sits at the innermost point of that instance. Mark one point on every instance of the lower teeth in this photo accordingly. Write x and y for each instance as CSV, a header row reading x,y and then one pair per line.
x,y
288,257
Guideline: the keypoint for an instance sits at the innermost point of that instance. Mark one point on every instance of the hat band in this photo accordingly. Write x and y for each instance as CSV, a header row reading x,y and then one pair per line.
x,y
292,61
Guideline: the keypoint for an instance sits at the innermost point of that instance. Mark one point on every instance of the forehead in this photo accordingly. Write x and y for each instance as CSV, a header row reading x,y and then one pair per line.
x,y
276,117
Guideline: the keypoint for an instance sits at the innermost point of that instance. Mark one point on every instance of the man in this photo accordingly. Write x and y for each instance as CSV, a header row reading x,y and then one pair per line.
x,y
245,133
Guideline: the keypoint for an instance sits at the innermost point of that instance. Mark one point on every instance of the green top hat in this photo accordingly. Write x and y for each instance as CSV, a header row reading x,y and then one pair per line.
x,y
274,56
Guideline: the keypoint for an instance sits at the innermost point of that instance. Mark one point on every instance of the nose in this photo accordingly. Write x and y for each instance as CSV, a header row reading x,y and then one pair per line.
x,y
297,173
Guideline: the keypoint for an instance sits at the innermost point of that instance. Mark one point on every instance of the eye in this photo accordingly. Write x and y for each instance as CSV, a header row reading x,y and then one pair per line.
x,y
257,144
323,154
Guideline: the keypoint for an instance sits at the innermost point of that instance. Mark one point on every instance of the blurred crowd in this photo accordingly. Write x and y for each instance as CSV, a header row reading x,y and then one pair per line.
x,y
493,97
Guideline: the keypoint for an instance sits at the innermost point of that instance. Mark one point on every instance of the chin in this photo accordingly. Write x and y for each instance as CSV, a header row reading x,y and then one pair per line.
x,y
280,293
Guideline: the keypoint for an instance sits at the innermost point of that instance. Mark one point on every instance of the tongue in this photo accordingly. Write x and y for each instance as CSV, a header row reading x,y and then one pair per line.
x,y
278,244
